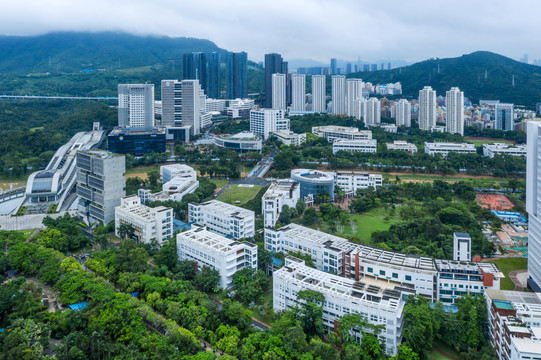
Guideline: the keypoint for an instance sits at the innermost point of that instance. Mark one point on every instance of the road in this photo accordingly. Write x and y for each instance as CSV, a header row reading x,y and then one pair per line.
x,y
45,97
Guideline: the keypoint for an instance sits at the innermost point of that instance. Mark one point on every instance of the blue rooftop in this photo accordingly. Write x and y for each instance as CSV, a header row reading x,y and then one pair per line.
x,y
277,261
180,225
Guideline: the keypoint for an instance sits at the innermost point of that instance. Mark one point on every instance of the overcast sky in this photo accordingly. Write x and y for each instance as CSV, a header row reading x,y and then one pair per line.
x,y
302,29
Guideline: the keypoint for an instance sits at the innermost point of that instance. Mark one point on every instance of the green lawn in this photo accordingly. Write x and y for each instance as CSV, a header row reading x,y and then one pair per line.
x,y
142,169
242,194
437,356
432,177
508,265
219,183
369,222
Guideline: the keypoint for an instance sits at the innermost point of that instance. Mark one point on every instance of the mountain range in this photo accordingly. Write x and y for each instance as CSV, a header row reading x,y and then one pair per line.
x,y
481,75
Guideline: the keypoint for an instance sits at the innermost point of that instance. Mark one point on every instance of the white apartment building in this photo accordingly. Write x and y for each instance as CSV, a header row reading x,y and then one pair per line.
x,y
265,121
242,142
100,184
193,106
370,146
351,181
380,305
533,204
136,105
390,128
332,133
178,180
445,148
240,108
461,247
444,280
224,219
280,193
338,95
427,108
504,116
454,103
369,110
217,105
514,322
402,145
402,111
354,89
298,92
217,252
319,93
491,150
148,223
279,91
290,138
171,103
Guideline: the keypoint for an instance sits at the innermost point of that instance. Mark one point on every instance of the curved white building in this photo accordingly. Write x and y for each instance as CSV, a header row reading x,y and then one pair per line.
x,y
314,182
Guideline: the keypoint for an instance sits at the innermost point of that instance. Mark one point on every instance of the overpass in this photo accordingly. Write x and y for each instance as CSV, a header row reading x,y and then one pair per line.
x,y
46,97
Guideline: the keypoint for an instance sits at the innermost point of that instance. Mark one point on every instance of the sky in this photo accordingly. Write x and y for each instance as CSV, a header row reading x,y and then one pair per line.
x,y
411,30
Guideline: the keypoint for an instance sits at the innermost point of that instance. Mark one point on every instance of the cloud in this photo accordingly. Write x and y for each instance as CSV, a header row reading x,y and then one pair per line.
x,y
412,30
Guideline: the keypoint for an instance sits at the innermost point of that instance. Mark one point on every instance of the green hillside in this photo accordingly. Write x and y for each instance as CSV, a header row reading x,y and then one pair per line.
x,y
468,73
68,52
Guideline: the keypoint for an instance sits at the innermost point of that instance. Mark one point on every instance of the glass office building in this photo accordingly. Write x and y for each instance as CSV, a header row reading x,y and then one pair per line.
x,y
314,182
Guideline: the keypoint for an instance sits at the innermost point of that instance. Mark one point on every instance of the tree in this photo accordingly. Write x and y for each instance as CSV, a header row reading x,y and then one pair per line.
x,y
250,284
406,353
311,312
300,206
418,324
208,279
167,255
371,348
125,230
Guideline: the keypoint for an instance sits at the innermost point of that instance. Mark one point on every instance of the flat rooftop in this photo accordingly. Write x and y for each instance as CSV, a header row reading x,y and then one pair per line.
x,y
224,208
208,239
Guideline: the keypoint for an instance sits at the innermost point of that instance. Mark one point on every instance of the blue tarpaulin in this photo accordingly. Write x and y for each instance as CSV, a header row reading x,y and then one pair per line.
x,y
277,261
135,294
79,306
179,225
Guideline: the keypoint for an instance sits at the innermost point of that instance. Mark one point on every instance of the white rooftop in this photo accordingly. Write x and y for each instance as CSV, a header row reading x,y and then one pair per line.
x,y
227,209
209,240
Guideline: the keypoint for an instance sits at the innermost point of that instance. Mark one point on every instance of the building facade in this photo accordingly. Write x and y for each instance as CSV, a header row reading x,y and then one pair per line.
x,y
354,89
217,252
213,88
314,183
290,138
242,142
194,67
338,88
514,323
379,305
402,110
279,91
319,103
136,105
298,92
274,64
100,184
370,146
403,146
492,150
222,218
351,181
533,204
332,133
265,121
148,223
454,102
237,75
443,280
278,195
504,116
427,108
171,103
461,247
444,148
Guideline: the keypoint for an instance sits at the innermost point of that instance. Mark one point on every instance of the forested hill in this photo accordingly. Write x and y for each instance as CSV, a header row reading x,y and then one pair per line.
x,y
68,52
468,73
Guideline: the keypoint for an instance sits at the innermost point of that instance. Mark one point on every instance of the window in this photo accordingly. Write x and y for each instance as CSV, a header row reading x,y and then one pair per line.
x,y
370,269
408,277
382,272
395,276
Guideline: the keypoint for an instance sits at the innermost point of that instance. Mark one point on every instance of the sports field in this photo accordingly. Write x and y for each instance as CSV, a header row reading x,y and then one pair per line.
x,y
239,192
494,201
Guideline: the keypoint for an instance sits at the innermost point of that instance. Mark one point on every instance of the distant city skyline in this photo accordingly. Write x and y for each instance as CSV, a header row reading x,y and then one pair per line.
x,y
305,29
